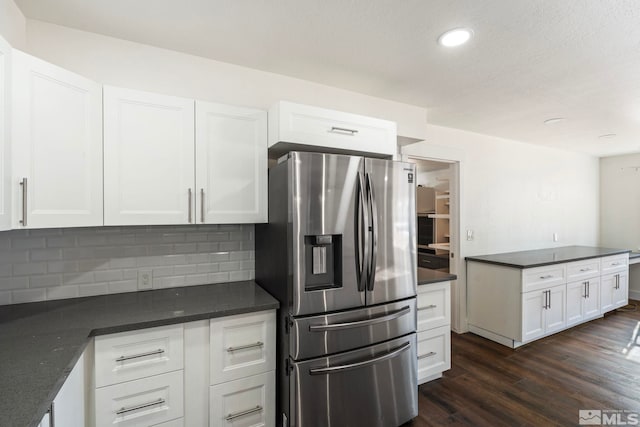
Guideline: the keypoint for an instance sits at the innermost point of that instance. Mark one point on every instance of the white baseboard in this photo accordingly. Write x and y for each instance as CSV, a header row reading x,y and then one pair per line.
x,y
634,294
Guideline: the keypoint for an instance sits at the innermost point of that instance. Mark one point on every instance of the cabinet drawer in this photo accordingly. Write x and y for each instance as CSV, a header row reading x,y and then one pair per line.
x,y
245,402
434,302
585,269
543,277
303,124
614,263
131,355
144,402
434,351
242,345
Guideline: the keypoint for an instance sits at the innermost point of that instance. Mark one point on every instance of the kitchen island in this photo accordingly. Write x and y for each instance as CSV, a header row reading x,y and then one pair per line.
x,y
518,297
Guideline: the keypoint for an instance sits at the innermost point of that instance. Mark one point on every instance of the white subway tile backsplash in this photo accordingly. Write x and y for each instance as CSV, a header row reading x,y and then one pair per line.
x,y
29,295
65,263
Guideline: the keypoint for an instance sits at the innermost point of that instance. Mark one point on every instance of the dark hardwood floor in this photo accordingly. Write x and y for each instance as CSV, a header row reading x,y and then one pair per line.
x,y
592,366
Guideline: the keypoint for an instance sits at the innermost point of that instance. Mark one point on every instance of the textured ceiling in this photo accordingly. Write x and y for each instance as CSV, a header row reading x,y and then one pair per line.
x,y
529,60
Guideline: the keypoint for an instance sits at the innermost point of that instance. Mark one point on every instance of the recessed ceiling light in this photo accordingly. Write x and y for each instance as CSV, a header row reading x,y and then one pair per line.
x,y
607,136
554,120
455,37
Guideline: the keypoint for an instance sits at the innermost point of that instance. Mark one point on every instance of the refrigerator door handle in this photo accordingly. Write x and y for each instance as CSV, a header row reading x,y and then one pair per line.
x,y
340,368
374,233
360,323
361,222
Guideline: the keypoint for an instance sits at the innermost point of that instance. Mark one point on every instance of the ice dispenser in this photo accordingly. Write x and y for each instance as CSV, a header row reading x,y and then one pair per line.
x,y
323,261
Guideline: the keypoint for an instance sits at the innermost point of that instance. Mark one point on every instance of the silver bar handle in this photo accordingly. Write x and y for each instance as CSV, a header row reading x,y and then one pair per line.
x,y
430,306
137,356
245,347
125,410
613,263
232,417
588,289
335,129
585,269
358,323
361,221
52,415
546,276
546,303
549,292
424,356
374,234
190,207
356,365
617,281
23,184
202,205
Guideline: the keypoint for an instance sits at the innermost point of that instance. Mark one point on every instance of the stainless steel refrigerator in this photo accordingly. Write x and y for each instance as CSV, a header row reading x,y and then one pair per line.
x,y
339,253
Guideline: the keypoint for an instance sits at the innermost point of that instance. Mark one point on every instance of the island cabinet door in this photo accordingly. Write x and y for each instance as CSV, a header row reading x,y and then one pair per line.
x,y
576,295
533,311
555,313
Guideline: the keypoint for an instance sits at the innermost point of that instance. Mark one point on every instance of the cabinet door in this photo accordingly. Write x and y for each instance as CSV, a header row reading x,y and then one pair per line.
x,y
591,306
231,164
245,402
576,296
69,406
148,158
57,146
608,285
555,314
621,291
5,135
533,313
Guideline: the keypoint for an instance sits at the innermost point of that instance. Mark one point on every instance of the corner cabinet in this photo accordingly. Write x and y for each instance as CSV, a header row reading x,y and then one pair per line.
x,y
57,146
231,164
171,160
5,135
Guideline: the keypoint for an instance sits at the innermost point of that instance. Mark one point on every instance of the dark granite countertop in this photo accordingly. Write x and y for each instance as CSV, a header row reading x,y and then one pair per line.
x,y
41,342
427,276
633,255
540,257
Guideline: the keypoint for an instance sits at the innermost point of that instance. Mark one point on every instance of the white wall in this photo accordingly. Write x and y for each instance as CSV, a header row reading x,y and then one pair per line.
x,y
514,196
620,209
12,24
122,63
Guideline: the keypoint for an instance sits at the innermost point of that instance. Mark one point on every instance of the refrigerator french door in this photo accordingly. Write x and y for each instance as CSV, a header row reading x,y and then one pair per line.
x,y
353,231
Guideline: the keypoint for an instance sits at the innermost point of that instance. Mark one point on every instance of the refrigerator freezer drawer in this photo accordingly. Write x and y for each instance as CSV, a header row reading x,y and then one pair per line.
x,y
337,332
374,386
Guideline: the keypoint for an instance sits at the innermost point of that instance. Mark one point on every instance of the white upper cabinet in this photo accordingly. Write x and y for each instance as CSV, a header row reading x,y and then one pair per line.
x,y
57,146
302,127
5,135
148,158
231,164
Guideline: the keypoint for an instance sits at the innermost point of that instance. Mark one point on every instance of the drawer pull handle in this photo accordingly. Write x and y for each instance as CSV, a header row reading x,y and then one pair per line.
x,y
424,356
615,263
546,276
337,129
232,417
138,407
585,269
427,307
244,347
137,356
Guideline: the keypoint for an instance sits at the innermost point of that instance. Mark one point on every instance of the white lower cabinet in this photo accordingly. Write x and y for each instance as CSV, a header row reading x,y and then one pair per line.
x,y
144,402
583,300
434,330
614,291
216,372
246,402
543,312
70,407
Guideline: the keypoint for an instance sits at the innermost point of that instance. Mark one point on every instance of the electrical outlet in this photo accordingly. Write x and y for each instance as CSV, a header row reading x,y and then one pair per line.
x,y
145,280
469,234
555,237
